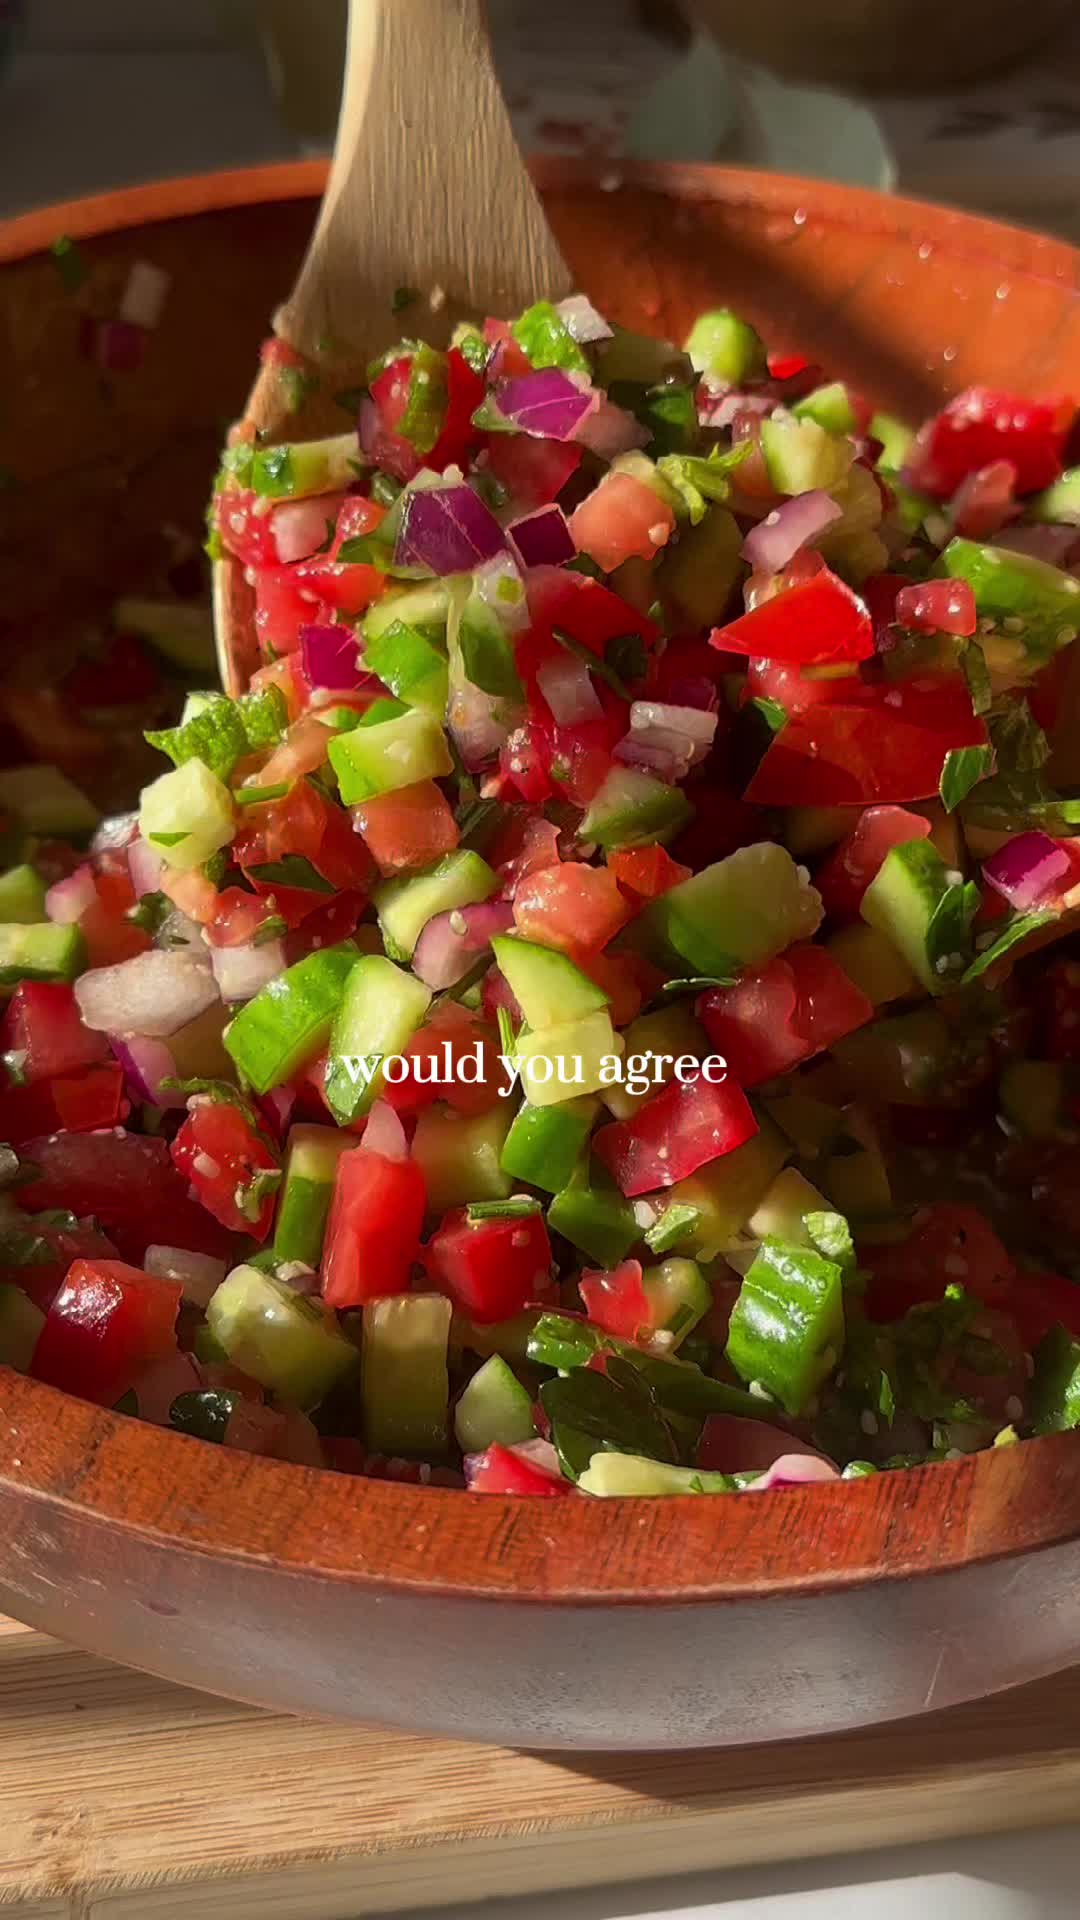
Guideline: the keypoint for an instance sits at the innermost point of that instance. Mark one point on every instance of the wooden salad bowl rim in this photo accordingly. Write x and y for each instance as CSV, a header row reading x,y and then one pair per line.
x,y
137,1479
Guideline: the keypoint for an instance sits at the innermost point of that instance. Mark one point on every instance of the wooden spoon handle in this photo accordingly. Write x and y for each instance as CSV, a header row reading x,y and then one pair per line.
x,y
427,188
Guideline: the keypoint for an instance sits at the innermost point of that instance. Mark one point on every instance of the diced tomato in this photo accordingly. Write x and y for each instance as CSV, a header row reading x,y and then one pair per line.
x,y
283,604
507,356
879,593
845,875
57,1245
891,747
949,1246
349,587
280,675
110,936
502,1470
621,518
245,526
617,1301
303,750
681,1128
533,472
937,606
784,1013
585,609
373,1232
821,620
127,1183
795,690
44,1029
435,1053
238,918
644,873
410,827
574,907
304,825
223,1158
335,919
628,979
107,1323
491,1269
524,763
464,393
82,1101
981,426
525,843
192,892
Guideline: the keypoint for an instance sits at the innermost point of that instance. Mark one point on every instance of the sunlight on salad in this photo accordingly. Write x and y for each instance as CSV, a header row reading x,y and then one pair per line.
x,y
599,1013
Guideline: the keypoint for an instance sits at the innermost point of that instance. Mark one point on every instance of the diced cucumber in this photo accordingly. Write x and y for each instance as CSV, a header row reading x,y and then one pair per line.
x,y
459,1156
563,1062
310,1168
700,570
546,984
380,1010
494,1410
787,1325
1059,504
425,607
632,809
782,1213
726,348
874,963
47,802
186,815
641,359
1032,1096
395,753
404,1383
289,1020
179,631
286,1342
679,1295
404,907
22,896
1055,1386
624,1475
486,651
40,952
920,904
812,829
724,1194
298,469
739,912
20,1327
812,1126
895,438
544,1144
801,457
830,406
1016,586
406,661
592,1214
655,1041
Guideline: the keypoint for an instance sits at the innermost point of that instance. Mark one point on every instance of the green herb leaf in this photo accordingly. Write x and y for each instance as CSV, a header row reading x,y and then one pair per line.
x,y
291,871
627,656
1020,745
699,480
963,769
425,410
472,347
384,489
518,1208
167,839
547,341
205,1414
70,262
615,1411
273,928
216,736
1017,931
593,661
264,718
774,715
152,910
221,1092
258,796
691,984
253,1195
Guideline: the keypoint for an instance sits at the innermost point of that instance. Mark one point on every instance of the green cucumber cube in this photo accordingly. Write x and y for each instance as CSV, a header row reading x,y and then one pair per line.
x,y
726,348
544,1144
919,904
632,809
40,952
404,1381
22,896
286,1342
424,607
302,468
289,1020
787,1325
414,670
404,907
459,1156
592,1214
546,984
381,1008
563,1062
310,1168
830,406
739,912
494,1410
801,457
396,753
187,815
679,1295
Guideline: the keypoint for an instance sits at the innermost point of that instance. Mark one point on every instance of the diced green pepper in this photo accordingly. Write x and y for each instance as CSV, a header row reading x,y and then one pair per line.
x,y
592,1214
544,1144
787,1325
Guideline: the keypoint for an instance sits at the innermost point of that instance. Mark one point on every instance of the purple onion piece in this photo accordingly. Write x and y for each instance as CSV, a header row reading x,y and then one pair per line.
x,y
68,899
1029,870
145,866
542,539
384,1133
775,541
146,1064
447,530
794,1470
330,658
548,404
582,321
451,942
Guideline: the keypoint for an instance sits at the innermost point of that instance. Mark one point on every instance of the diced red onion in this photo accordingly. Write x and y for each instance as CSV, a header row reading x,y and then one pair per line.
x,y
1053,544
179,930
548,404
985,501
298,1441
582,321
697,691
253,1428
667,764
164,1381
722,410
152,995
275,1109
69,899
542,539
1030,869
794,1470
451,942
199,1274
498,583
118,831
681,734
611,430
145,865
566,685
539,1453
147,1065
242,972
330,658
783,532
384,1133
474,720
447,530
300,527
368,425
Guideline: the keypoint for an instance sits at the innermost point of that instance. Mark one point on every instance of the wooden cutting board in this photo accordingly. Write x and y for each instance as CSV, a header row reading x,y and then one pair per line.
x,y
121,1795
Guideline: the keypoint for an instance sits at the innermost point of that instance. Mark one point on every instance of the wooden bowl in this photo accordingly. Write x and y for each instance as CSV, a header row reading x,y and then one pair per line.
x,y
640,1623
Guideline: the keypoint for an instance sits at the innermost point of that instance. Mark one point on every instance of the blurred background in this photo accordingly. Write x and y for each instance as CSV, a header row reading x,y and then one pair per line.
x,y
971,101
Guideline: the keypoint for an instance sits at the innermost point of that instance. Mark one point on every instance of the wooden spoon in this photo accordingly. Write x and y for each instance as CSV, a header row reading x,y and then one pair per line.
x,y
427,191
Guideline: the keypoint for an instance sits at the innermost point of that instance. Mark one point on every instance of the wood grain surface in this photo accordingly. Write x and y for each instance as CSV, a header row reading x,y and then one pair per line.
x,y
123,1795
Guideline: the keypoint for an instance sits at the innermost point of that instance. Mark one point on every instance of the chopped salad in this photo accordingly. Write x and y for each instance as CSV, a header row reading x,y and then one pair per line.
x,y
600,1012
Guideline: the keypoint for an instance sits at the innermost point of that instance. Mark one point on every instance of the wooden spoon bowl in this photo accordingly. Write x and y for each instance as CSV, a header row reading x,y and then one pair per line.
x,y
648,1623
